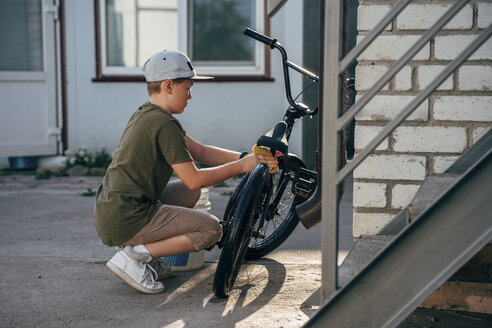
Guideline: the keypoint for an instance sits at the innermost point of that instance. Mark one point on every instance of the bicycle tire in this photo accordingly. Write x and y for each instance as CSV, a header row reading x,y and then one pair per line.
x,y
235,197
284,220
237,236
231,208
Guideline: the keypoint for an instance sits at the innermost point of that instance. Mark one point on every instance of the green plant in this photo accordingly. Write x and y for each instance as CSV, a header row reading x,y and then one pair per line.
x,y
222,184
6,171
102,159
88,193
82,157
44,175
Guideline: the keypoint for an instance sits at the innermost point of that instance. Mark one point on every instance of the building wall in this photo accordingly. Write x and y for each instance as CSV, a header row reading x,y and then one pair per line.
x,y
225,114
442,127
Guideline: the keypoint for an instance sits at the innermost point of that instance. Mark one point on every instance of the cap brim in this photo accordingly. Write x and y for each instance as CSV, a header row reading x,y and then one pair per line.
x,y
200,77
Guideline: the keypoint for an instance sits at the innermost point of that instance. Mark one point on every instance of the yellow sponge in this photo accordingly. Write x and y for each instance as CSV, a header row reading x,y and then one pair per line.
x,y
260,150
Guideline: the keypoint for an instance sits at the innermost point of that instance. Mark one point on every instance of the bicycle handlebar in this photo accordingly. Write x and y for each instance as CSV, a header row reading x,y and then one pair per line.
x,y
260,37
273,43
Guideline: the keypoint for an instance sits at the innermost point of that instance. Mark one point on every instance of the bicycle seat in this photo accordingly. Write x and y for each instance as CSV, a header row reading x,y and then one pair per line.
x,y
276,138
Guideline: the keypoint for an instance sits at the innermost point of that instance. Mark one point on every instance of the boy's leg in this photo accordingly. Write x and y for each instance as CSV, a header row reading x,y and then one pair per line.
x,y
176,193
176,230
173,230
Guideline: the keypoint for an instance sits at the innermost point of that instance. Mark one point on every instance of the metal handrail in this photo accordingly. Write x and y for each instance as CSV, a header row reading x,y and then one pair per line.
x,y
372,35
397,66
333,123
419,98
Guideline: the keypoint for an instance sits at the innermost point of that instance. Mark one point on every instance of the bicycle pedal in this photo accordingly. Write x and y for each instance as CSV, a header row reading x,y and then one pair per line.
x,y
304,183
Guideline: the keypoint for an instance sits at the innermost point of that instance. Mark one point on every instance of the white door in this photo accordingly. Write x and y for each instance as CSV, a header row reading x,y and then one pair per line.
x,y
30,113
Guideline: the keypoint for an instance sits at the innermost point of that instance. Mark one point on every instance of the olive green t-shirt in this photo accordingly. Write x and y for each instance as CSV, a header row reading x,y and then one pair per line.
x,y
128,198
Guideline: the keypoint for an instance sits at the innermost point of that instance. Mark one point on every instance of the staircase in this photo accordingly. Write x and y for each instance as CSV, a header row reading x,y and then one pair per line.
x,y
441,241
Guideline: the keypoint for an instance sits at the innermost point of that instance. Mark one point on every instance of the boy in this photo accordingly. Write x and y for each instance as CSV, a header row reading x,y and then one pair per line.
x,y
136,209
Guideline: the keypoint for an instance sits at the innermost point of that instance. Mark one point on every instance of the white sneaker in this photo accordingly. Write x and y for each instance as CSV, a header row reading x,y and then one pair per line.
x,y
138,274
159,266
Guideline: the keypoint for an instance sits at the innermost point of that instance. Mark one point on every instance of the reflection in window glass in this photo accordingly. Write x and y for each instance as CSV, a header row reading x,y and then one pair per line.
x,y
136,29
217,32
21,35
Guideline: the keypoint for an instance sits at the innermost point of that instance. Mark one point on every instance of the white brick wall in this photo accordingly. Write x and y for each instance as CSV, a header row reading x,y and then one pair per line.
x,y
369,194
401,195
430,139
442,163
427,73
423,16
369,223
448,46
477,77
478,133
392,167
391,47
368,16
384,107
368,75
364,134
484,14
458,108
450,121
403,79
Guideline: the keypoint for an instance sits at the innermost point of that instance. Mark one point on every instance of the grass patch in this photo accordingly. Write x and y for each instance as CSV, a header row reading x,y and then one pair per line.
x,y
222,184
88,193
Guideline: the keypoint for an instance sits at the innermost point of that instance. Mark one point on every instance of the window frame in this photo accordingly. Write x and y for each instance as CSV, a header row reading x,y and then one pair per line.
x,y
228,73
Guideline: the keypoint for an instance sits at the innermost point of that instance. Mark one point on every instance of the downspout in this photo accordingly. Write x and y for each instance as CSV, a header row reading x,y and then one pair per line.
x,y
309,212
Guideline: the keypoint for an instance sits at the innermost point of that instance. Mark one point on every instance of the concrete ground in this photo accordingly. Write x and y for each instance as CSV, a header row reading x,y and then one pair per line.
x,y
53,274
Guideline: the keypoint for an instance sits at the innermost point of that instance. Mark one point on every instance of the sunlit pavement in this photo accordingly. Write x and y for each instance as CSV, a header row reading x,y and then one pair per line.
x,y
53,269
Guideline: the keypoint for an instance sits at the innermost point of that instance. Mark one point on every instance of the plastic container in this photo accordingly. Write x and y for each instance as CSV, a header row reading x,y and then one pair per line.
x,y
23,163
193,260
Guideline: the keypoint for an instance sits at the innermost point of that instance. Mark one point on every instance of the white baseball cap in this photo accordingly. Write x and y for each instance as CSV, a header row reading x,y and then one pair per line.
x,y
170,65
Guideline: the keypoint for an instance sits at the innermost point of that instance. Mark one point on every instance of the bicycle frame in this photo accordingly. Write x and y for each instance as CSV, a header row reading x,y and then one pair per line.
x,y
251,207
294,112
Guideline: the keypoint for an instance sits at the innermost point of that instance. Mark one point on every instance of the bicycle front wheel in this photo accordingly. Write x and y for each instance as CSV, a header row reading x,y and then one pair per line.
x,y
282,218
239,230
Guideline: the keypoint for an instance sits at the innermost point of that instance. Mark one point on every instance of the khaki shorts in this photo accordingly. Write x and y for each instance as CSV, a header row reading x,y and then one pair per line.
x,y
176,217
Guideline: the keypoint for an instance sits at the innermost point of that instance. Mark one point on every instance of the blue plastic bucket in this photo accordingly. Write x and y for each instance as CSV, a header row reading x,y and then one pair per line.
x,y
23,163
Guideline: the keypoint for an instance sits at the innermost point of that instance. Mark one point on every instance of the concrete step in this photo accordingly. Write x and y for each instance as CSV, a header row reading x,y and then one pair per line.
x,y
365,249
469,289
433,187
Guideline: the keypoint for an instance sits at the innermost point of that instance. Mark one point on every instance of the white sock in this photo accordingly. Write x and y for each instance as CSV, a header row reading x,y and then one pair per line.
x,y
141,249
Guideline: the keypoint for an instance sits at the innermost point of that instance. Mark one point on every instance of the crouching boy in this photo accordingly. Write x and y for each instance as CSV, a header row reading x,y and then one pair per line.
x,y
137,208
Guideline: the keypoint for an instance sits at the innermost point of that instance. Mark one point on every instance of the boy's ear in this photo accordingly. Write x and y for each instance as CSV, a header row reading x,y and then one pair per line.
x,y
166,86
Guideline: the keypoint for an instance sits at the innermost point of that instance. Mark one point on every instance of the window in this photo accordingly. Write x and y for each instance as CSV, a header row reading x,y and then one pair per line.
x,y
209,31
21,35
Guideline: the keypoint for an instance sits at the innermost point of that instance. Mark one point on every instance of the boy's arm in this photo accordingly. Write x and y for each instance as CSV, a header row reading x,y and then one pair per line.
x,y
195,178
209,154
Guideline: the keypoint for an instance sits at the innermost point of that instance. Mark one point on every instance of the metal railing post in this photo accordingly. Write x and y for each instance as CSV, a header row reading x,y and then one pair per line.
x,y
330,149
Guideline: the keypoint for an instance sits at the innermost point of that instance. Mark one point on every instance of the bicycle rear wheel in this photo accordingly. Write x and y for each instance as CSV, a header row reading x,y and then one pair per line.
x,y
282,218
238,232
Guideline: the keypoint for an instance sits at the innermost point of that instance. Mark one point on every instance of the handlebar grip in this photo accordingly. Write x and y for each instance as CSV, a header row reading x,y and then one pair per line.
x,y
260,37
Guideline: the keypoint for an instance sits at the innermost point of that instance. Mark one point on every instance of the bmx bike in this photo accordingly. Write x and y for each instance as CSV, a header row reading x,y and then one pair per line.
x,y
261,213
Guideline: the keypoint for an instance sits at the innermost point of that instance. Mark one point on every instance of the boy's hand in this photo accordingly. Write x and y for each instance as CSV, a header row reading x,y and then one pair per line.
x,y
248,162
260,155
